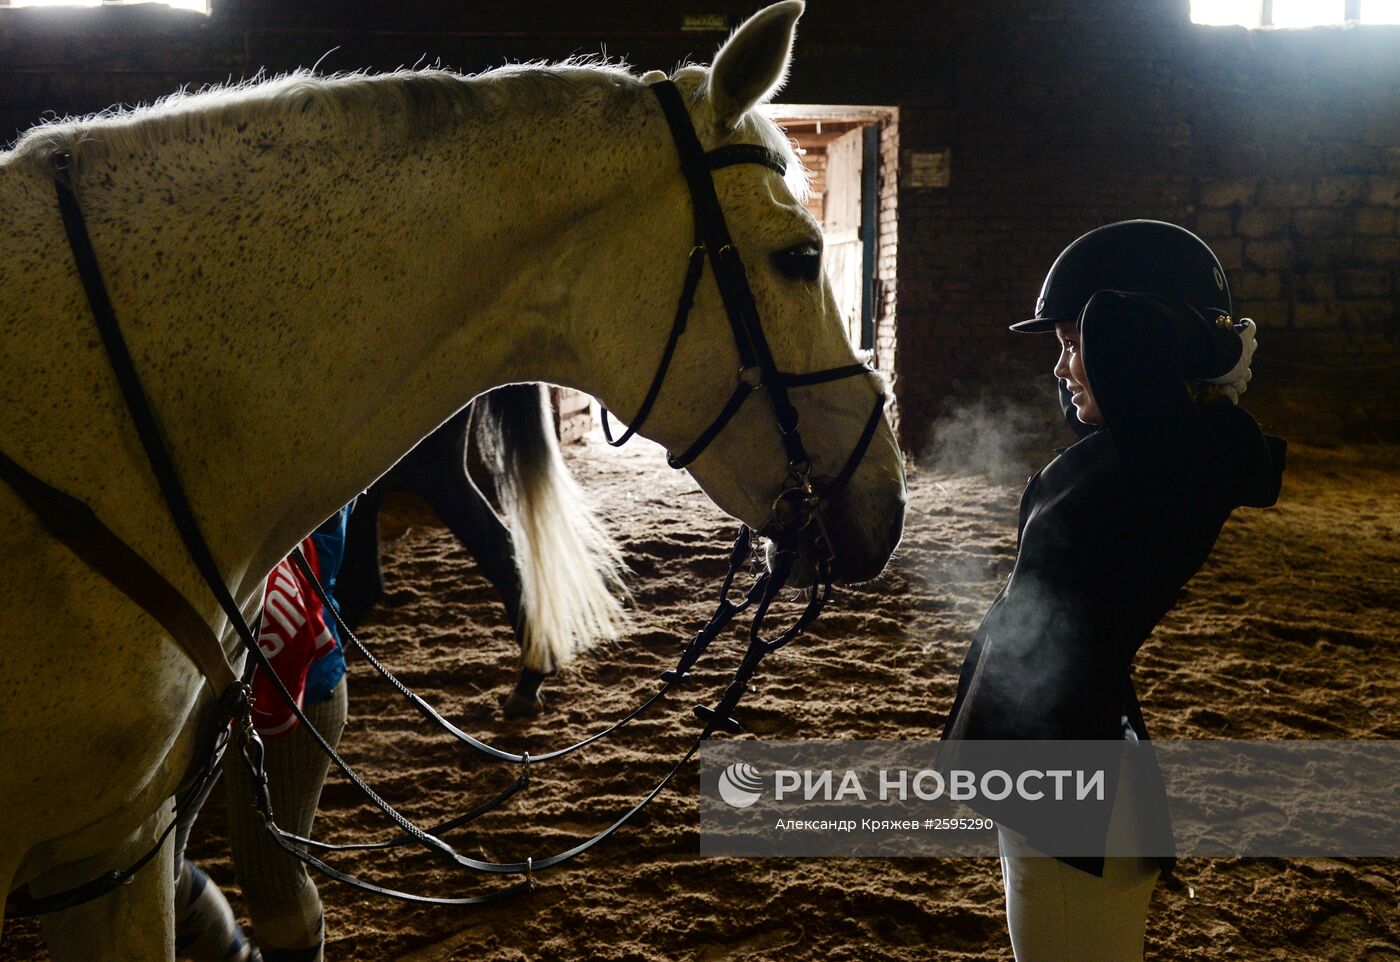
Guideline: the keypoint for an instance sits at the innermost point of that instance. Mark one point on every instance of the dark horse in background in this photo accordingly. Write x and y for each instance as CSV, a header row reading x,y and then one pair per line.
x,y
560,590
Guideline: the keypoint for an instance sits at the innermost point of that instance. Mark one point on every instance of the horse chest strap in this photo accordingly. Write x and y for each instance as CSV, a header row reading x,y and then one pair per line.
x,y
75,525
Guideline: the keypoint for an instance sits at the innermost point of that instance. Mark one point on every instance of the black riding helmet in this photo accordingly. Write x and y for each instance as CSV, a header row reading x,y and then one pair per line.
x,y
1141,256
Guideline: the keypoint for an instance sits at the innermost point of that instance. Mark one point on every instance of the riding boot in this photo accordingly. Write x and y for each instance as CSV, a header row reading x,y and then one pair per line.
x,y
205,929
314,953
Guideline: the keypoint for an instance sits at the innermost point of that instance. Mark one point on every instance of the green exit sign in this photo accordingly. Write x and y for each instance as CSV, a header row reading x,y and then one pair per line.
x,y
704,21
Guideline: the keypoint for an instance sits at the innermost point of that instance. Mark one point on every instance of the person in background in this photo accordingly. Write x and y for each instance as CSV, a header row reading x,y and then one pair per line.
x,y
1151,366
300,640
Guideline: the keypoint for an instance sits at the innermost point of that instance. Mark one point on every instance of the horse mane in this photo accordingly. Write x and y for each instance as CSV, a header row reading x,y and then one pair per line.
x,y
410,100
417,98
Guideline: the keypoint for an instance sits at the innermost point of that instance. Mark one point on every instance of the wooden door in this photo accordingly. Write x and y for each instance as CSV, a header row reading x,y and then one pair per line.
x,y
841,227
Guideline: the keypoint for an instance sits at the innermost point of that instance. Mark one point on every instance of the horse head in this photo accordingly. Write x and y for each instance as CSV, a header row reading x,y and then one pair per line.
x,y
732,401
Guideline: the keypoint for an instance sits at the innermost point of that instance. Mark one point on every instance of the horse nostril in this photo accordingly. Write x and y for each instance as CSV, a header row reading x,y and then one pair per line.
x,y
865,528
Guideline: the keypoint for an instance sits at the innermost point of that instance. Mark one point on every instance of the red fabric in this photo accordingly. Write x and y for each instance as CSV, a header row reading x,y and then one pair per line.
x,y
293,635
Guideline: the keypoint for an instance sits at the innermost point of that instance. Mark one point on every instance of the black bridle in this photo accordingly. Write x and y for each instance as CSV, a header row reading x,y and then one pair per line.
x,y
800,503
795,509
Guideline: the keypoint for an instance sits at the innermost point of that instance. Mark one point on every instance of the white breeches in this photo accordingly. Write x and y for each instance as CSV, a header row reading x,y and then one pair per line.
x,y
1056,913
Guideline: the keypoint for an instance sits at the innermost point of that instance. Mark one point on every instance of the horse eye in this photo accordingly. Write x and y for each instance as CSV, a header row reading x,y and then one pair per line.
x,y
802,262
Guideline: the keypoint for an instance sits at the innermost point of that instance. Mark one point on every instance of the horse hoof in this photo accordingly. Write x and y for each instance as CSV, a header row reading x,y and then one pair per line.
x,y
518,706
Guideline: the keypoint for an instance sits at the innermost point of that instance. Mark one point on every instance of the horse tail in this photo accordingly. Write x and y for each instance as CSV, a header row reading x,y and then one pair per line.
x,y
570,567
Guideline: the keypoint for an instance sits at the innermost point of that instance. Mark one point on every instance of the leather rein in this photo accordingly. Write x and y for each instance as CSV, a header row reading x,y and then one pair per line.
x,y
797,517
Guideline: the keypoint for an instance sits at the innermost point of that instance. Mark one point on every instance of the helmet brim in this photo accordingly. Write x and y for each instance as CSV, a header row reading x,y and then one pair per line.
x,y
1040,325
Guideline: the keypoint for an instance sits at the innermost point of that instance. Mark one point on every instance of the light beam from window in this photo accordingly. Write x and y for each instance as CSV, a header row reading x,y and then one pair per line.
x,y
1225,13
200,6
1309,13
1292,14
1380,11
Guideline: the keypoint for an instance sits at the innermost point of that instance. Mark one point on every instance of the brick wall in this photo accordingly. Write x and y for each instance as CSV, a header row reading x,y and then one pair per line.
x,y
887,263
1282,149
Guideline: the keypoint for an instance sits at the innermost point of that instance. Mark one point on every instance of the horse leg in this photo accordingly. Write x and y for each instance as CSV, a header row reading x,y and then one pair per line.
x,y
468,515
525,700
436,470
360,582
569,567
132,923
442,479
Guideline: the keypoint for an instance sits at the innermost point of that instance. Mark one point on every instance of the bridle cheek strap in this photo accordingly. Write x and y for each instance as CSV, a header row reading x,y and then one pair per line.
x,y
695,269
758,368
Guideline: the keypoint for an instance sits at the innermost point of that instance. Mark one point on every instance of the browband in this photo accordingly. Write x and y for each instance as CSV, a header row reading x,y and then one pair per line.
x,y
734,154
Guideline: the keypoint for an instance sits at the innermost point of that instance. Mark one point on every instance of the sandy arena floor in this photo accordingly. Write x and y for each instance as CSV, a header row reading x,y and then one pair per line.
x,y
1290,631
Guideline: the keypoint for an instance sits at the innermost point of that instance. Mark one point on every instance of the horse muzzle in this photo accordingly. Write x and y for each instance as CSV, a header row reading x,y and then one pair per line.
x,y
849,545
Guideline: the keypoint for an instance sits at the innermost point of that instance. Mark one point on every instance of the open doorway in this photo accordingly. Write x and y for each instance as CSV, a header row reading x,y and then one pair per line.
x,y
851,153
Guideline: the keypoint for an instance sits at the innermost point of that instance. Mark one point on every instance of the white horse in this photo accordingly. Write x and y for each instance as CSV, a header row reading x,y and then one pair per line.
x,y
312,274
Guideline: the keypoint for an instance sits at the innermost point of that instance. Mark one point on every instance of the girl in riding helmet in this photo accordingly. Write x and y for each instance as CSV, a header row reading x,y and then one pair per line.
x,y
1150,368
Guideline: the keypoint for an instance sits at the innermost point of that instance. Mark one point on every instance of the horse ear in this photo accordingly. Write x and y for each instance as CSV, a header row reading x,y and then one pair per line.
x,y
753,63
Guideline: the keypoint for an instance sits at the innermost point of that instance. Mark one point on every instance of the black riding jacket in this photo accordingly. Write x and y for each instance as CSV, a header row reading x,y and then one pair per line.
x,y
1113,527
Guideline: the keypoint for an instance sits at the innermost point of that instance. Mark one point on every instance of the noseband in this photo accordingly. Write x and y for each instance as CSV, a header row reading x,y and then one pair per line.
x,y
801,501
